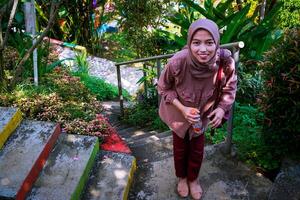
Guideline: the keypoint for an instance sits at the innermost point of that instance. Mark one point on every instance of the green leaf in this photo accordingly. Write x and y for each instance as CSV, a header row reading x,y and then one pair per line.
x,y
19,17
268,22
62,12
235,24
56,63
180,20
196,7
40,11
208,5
222,7
179,40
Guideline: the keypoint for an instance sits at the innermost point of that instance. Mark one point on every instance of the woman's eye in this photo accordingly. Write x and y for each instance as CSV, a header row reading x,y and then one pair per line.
x,y
196,43
210,43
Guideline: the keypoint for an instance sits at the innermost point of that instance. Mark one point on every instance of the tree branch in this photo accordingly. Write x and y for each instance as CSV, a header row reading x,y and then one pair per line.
x,y
11,17
19,67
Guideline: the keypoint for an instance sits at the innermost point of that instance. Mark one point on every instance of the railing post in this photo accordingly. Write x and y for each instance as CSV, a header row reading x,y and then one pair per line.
x,y
120,90
145,82
158,66
228,140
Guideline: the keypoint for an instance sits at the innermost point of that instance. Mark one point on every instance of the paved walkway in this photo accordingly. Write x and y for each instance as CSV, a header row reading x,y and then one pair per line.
x,y
106,70
222,178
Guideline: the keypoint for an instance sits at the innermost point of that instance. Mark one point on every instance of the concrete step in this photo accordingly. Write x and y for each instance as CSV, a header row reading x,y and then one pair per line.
x,y
10,118
126,130
152,138
143,137
153,150
121,126
24,155
112,176
67,169
133,132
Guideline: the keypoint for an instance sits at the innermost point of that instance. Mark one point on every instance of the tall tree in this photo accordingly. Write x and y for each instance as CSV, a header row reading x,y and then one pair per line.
x,y
10,5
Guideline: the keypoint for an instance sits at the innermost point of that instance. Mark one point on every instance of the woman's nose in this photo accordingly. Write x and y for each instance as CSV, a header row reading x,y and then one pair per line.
x,y
202,47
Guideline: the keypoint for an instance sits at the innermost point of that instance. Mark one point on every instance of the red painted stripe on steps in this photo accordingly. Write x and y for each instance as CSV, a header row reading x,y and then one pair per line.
x,y
38,165
114,143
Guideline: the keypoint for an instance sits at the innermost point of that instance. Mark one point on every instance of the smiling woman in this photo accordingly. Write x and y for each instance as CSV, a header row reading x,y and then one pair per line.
x,y
188,87
203,46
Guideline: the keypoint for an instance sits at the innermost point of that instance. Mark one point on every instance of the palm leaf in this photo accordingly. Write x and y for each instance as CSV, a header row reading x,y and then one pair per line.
x,y
235,24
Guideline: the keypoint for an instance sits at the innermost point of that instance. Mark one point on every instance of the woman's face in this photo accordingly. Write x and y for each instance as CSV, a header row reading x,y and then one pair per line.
x,y
203,46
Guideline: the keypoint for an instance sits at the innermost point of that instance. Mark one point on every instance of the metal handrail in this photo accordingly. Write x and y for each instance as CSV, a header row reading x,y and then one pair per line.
x,y
239,45
234,47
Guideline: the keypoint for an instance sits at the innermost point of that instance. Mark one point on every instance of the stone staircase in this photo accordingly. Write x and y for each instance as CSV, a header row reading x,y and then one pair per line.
x,y
39,162
221,177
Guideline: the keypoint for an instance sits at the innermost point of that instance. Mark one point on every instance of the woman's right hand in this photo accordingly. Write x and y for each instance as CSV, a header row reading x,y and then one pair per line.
x,y
191,114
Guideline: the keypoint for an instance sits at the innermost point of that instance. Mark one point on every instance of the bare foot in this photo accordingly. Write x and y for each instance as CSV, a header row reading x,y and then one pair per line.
x,y
196,190
182,187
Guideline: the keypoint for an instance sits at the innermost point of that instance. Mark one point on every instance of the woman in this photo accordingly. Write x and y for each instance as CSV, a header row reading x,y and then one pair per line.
x,y
188,90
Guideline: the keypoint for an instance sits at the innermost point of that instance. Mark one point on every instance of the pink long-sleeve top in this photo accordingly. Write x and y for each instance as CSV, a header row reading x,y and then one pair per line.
x,y
177,81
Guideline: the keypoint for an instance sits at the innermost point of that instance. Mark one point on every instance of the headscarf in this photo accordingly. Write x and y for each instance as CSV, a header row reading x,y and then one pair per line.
x,y
203,70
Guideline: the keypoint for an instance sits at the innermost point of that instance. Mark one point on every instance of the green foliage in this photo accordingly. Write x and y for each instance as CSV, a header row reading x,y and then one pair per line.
x,y
60,98
100,88
138,20
97,86
247,137
235,24
73,24
82,63
250,82
289,14
145,114
119,48
19,43
280,97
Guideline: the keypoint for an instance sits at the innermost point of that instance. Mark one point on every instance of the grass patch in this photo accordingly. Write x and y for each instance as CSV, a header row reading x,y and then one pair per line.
x,y
102,90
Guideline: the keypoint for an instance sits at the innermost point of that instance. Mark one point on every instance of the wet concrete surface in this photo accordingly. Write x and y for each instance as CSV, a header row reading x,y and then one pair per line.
x,y
5,116
64,168
19,154
110,176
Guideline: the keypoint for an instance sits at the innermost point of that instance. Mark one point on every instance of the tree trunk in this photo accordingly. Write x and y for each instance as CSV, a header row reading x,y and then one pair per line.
x,y
3,85
262,10
3,10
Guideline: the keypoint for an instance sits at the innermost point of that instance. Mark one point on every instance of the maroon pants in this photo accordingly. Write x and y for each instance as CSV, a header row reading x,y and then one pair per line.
x,y
188,155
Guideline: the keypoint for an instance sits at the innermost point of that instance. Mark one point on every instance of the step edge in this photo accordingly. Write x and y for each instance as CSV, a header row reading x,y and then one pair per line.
x,y
86,173
130,178
33,174
10,127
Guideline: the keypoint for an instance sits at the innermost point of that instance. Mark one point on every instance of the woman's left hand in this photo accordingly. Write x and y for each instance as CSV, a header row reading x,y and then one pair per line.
x,y
216,117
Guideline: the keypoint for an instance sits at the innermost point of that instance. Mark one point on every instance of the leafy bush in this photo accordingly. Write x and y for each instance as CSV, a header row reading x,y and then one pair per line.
x,y
247,137
60,98
280,98
97,86
250,82
145,114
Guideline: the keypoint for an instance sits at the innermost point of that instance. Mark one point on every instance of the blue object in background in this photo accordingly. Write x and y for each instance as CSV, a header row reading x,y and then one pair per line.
x,y
107,28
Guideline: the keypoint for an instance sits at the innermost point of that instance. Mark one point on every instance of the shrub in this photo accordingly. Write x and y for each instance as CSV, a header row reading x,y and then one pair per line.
x,y
280,98
247,128
60,98
145,114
